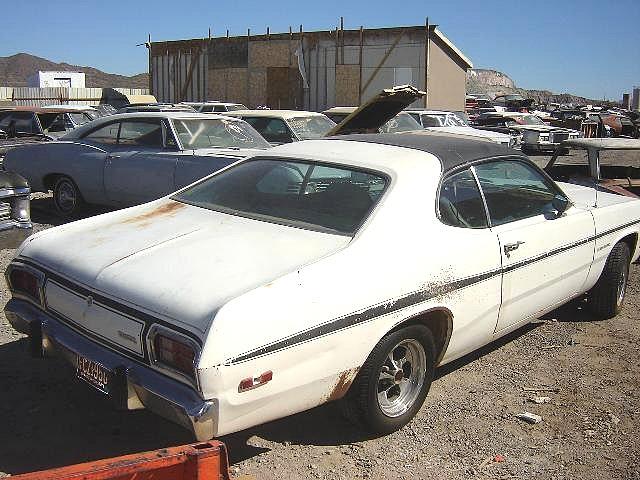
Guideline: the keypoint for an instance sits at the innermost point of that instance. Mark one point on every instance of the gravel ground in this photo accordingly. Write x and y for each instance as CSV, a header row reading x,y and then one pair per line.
x,y
466,429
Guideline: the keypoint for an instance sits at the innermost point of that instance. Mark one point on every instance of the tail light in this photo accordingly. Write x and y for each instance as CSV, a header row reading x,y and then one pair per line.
x,y
175,353
25,282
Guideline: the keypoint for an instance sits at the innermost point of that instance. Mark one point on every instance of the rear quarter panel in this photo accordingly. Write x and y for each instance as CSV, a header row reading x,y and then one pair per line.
x,y
616,217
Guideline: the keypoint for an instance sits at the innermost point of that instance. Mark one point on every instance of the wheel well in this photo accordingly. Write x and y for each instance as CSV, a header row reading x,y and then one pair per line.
x,y
50,180
439,321
631,240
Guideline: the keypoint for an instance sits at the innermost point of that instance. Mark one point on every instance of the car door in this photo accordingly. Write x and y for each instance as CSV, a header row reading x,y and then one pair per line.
x,y
546,256
141,168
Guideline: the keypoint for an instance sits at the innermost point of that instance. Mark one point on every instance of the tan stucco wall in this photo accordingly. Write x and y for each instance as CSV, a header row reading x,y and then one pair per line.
x,y
447,80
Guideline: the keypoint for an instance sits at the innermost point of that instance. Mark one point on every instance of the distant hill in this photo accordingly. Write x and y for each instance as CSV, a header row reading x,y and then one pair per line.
x,y
15,69
492,83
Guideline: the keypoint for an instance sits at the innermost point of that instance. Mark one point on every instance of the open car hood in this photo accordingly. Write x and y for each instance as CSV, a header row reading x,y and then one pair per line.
x,y
377,111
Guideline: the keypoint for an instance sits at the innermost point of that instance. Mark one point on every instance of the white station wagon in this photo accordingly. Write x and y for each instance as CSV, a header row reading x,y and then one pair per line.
x,y
344,268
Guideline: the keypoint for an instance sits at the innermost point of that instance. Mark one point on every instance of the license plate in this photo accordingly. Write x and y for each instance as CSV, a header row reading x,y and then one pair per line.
x,y
93,373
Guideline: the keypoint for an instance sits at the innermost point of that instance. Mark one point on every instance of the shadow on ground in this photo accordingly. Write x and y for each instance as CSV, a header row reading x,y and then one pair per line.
x,y
44,212
50,419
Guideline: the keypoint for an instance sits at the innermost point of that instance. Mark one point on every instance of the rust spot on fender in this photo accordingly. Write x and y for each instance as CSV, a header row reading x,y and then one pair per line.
x,y
341,387
168,209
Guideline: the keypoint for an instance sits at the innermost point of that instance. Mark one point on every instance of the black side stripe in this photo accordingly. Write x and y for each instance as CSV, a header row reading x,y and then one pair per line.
x,y
393,305
363,316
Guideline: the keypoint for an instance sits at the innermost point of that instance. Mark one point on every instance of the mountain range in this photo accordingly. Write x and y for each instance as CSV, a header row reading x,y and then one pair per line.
x,y
15,70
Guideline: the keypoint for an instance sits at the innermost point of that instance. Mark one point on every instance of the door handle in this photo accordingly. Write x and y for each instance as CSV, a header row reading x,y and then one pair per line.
x,y
510,247
111,155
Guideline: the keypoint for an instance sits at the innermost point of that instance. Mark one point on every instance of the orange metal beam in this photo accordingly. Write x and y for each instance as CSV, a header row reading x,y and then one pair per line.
x,y
199,461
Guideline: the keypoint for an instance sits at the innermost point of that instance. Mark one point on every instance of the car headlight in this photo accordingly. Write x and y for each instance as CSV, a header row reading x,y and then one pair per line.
x,y
21,208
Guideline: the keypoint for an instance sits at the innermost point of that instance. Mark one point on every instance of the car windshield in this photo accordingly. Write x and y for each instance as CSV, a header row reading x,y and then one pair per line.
x,y
217,133
334,199
79,118
403,122
313,126
454,121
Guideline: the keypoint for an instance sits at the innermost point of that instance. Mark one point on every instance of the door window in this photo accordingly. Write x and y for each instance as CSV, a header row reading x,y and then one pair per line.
x,y
107,135
141,133
514,190
460,203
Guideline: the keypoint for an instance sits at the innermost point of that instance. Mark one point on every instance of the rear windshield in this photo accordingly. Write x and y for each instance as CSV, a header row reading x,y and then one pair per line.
x,y
300,194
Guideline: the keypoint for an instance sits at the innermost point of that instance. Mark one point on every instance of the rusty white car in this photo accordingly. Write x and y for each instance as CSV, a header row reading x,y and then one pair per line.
x,y
346,268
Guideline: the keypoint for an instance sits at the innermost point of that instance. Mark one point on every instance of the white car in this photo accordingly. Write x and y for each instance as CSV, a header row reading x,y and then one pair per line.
x,y
343,269
450,122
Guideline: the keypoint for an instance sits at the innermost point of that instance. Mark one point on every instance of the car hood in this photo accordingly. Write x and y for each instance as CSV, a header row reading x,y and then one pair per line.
x,y
377,111
174,260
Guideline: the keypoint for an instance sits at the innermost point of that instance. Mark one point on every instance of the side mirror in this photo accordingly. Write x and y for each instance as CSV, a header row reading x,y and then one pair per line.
x,y
560,204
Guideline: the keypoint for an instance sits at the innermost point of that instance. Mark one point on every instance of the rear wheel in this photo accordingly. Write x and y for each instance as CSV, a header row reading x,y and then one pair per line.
x,y
394,381
607,296
66,197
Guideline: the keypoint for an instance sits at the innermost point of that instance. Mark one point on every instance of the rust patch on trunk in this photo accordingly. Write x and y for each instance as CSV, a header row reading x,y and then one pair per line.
x,y
341,387
167,209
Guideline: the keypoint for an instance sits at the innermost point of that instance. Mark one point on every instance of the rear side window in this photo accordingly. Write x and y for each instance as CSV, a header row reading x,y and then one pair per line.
x,y
300,194
514,190
107,135
147,134
14,123
460,203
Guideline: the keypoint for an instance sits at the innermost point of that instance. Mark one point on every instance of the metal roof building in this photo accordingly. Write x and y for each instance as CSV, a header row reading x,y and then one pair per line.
x,y
310,70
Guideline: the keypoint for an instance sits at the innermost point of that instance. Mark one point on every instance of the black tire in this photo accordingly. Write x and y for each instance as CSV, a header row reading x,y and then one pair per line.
x,y
67,199
607,295
362,406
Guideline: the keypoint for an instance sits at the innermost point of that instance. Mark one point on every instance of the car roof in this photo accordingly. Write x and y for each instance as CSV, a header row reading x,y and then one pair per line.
x,y
175,115
432,112
451,149
341,110
275,113
69,109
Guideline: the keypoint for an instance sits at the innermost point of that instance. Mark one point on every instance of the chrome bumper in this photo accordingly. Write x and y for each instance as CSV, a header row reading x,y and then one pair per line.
x,y
13,233
133,385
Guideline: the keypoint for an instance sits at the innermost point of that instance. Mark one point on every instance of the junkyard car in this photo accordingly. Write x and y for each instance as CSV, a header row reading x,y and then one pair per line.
x,y
128,159
610,164
43,121
215,107
402,122
450,122
344,268
15,211
284,126
536,135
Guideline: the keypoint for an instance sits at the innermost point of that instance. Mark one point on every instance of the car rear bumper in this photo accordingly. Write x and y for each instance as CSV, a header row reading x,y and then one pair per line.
x,y
13,233
132,385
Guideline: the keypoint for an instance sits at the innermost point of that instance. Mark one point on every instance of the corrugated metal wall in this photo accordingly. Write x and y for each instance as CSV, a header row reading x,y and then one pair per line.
x,y
174,69
31,96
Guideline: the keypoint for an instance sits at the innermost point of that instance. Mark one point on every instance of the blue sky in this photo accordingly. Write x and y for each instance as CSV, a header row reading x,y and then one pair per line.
x,y
586,47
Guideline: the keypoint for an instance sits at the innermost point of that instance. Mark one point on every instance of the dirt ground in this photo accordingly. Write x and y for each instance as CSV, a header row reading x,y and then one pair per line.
x,y
467,428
